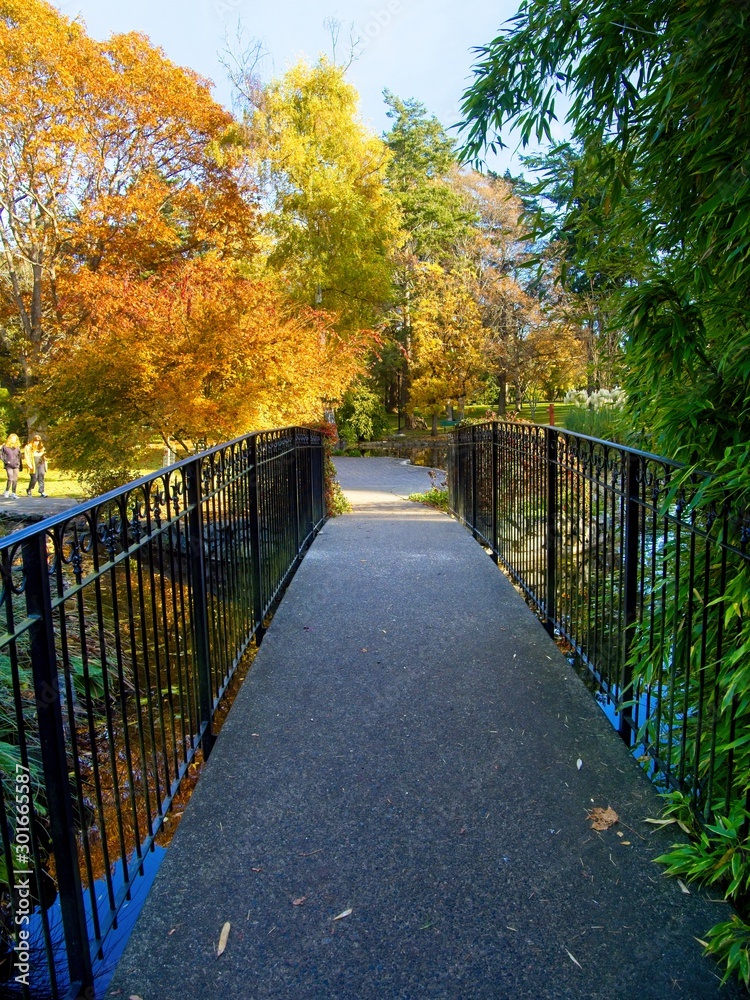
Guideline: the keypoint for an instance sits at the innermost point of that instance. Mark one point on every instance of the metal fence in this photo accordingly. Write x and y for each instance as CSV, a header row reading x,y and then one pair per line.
x,y
644,581
123,621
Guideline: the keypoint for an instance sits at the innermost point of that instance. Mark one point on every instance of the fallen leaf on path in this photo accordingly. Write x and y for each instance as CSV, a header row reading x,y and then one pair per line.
x,y
344,913
683,886
602,819
579,763
574,959
223,938
299,901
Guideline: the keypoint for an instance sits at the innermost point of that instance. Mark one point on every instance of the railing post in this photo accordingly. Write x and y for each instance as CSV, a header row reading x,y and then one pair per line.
x,y
474,482
456,472
55,764
495,466
200,604
295,490
315,461
630,570
550,610
255,540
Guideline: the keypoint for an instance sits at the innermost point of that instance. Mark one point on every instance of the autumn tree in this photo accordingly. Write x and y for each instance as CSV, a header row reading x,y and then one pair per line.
x,y
111,159
436,224
332,223
449,340
196,354
497,250
557,359
528,343
132,300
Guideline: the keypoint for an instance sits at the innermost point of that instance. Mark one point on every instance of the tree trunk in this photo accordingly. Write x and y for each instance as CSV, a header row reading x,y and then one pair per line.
x,y
433,432
502,394
590,356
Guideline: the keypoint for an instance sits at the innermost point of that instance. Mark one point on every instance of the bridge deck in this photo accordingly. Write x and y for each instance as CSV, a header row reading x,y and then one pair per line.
x,y
405,751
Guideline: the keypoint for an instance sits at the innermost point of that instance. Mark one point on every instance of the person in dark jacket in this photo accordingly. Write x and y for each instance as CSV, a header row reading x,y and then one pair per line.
x,y
11,456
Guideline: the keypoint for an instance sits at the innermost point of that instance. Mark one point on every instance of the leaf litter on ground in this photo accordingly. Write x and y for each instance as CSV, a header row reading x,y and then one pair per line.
x,y
602,819
574,959
223,938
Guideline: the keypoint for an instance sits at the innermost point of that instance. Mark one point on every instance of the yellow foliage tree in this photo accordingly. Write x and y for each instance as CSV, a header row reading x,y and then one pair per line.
x,y
449,340
333,225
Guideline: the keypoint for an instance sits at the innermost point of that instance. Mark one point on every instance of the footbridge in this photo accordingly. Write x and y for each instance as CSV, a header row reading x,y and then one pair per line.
x,y
414,793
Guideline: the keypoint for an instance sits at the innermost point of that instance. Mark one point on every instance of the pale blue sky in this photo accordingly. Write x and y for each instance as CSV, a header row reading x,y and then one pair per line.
x,y
416,48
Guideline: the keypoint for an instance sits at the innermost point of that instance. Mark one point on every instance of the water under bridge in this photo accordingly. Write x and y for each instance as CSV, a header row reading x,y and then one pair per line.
x,y
401,801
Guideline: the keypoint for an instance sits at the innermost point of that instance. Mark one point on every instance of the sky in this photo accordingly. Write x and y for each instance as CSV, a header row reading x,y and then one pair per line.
x,y
416,48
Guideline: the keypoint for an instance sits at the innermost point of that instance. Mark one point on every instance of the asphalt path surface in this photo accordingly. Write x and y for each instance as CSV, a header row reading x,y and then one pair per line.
x,y
400,802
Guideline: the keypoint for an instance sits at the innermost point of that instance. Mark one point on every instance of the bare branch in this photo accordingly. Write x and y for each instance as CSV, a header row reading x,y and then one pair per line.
x,y
333,26
242,58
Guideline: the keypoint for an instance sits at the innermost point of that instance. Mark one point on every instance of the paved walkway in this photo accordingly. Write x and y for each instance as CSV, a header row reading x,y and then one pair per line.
x,y
395,807
25,509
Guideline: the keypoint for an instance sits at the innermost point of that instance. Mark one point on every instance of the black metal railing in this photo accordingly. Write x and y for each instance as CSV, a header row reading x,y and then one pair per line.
x,y
123,622
643,580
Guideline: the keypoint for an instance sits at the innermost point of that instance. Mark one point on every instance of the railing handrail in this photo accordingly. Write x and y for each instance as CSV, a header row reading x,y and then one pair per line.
x,y
625,448
85,506
123,621
630,564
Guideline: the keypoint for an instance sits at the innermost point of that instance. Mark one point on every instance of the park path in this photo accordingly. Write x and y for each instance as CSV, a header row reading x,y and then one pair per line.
x,y
397,805
27,509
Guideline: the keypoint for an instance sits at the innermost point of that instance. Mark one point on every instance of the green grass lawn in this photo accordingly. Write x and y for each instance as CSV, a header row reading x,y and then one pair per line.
x,y
57,483
61,483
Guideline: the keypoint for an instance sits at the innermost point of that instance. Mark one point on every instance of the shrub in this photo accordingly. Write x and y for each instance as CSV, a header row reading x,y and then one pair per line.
x,y
599,414
361,416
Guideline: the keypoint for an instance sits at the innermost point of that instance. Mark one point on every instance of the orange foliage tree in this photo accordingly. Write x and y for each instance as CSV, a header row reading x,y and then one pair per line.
x,y
197,353
133,301
112,160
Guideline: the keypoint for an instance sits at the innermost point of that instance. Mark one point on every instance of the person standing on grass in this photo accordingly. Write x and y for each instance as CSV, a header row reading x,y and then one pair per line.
x,y
11,455
35,460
